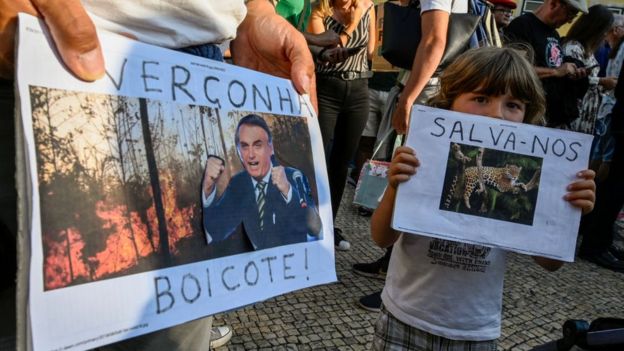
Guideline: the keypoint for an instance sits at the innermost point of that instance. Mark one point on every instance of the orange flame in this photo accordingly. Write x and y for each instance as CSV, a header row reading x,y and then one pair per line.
x,y
125,246
57,265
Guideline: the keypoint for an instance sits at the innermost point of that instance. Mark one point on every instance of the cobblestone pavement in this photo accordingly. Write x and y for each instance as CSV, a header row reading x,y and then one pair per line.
x,y
535,304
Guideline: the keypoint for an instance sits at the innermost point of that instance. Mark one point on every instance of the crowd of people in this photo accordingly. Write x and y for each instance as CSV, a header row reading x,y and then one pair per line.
x,y
326,48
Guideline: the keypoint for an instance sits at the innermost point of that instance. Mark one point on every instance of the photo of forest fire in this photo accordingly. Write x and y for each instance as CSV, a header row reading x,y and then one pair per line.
x,y
119,181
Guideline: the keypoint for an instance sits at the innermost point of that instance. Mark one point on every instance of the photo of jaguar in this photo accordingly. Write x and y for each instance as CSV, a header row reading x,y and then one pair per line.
x,y
491,183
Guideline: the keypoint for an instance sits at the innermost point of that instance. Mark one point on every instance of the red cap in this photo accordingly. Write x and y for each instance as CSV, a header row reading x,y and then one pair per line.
x,y
505,3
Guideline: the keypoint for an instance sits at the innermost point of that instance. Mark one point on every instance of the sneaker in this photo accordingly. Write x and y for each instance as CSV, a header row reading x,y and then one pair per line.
x,y
371,302
606,260
351,181
365,212
340,242
377,269
219,336
617,253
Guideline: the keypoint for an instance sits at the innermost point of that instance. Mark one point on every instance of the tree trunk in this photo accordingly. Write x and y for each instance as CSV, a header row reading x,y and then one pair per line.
x,y
155,183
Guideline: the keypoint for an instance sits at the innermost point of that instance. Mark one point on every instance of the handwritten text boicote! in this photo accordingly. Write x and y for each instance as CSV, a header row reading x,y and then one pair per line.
x,y
190,287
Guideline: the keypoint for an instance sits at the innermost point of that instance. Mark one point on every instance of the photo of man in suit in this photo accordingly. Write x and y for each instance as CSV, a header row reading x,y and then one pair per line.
x,y
270,201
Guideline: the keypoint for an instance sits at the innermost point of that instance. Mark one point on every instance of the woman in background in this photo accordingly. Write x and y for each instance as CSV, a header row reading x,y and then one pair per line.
x,y
602,152
343,89
583,39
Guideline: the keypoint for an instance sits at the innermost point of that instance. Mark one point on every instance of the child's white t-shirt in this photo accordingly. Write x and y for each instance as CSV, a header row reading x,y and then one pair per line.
x,y
446,288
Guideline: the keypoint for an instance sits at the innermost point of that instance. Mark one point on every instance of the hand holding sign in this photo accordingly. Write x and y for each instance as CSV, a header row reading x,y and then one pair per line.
x,y
286,54
403,166
71,28
582,193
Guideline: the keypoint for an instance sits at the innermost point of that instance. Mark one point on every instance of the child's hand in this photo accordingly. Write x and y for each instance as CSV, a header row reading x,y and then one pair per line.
x,y
582,193
403,166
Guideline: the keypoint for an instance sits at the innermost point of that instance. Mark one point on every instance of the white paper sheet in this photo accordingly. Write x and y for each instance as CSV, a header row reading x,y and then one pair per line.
x,y
97,269
528,216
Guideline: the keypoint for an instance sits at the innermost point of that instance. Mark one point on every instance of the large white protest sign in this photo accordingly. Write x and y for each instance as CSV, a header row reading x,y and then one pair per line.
x,y
118,234
492,182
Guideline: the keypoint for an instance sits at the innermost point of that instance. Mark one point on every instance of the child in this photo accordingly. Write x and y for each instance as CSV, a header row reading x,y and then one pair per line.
x,y
426,305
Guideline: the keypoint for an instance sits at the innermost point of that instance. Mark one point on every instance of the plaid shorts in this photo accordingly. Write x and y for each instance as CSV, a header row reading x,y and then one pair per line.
x,y
392,334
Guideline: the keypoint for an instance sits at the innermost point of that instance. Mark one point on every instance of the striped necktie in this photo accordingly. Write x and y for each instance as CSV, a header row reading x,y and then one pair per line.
x,y
261,200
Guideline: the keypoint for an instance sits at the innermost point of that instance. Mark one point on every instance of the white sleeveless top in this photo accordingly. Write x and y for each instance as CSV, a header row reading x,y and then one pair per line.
x,y
170,24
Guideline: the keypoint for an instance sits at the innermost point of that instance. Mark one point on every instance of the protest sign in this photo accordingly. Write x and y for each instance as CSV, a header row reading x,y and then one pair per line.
x,y
121,234
492,182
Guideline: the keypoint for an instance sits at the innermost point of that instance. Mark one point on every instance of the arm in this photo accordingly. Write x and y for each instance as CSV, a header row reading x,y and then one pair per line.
x,y
570,49
328,38
607,83
72,30
356,15
434,25
315,24
519,32
403,166
581,194
566,69
329,55
267,43
372,33
381,232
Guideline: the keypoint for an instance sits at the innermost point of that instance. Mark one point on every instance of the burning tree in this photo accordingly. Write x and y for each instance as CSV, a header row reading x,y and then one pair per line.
x,y
113,171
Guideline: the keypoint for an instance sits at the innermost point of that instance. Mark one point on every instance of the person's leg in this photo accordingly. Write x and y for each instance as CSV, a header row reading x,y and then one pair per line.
x,y
393,334
386,135
608,148
597,226
330,93
347,134
369,135
376,269
601,129
8,216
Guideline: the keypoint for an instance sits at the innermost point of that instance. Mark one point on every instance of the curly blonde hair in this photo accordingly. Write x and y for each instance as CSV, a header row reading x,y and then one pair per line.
x,y
493,71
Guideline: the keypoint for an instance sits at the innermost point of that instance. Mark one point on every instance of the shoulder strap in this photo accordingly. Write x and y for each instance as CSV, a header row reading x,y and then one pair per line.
x,y
381,142
306,4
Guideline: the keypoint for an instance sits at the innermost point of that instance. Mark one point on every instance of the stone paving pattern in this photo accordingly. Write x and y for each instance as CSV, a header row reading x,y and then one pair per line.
x,y
535,305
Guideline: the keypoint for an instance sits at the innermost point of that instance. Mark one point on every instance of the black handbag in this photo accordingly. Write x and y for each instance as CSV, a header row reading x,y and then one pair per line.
x,y
402,33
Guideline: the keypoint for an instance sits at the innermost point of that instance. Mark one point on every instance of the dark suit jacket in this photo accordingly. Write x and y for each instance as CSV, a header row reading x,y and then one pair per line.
x,y
284,223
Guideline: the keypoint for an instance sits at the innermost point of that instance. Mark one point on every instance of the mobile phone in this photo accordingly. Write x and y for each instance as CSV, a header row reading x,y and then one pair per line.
x,y
355,50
